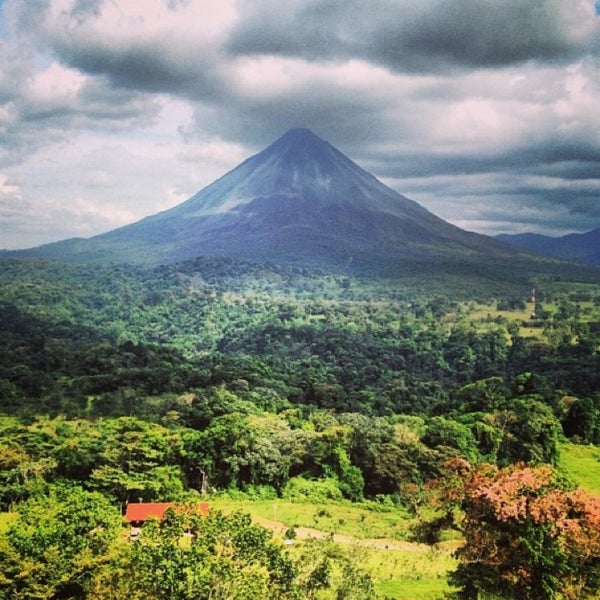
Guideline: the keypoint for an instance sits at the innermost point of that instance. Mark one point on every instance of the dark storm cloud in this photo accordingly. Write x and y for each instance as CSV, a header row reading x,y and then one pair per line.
x,y
148,66
83,9
476,34
34,121
418,35
576,200
569,162
12,73
340,119
138,58
572,170
564,154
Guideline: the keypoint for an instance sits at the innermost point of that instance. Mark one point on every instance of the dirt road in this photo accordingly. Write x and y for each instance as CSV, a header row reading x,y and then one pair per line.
x,y
381,543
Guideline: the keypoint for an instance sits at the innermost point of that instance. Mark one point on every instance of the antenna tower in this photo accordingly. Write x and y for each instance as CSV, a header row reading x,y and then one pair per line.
x,y
533,302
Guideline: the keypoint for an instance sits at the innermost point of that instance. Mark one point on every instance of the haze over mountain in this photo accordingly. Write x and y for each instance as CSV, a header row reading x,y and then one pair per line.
x,y
299,201
583,247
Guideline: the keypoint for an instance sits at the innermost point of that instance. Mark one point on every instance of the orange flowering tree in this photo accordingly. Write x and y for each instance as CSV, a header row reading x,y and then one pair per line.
x,y
529,535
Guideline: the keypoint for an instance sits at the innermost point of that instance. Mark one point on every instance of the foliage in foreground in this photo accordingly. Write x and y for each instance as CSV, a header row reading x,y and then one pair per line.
x,y
59,541
68,543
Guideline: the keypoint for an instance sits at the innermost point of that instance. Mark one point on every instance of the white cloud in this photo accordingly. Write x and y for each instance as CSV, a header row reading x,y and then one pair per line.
x,y
56,84
9,190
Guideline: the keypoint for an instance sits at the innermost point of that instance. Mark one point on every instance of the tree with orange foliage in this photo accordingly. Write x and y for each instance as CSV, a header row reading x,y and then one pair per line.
x,y
529,534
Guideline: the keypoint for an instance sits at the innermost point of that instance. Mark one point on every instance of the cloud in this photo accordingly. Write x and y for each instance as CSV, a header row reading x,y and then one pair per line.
x,y
9,191
419,35
155,47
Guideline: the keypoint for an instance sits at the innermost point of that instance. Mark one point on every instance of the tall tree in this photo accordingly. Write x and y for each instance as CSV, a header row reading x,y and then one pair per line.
x,y
528,534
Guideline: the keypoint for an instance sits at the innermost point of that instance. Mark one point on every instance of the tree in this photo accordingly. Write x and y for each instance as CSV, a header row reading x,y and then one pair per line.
x,y
452,435
164,483
328,456
57,544
482,395
528,534
531,432
20,475
324,565
188,557
582,421
136,461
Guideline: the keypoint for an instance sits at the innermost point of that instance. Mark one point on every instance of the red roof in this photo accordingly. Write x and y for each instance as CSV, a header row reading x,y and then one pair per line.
x,y
142,511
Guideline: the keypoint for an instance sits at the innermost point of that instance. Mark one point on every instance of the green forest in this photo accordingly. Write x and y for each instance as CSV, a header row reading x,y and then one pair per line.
x,y
437,417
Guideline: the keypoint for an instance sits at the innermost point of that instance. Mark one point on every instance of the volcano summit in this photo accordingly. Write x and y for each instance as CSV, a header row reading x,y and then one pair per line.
x,y
300,201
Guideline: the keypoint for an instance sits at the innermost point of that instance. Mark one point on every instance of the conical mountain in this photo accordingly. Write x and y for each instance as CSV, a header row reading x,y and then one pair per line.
x,y
299,201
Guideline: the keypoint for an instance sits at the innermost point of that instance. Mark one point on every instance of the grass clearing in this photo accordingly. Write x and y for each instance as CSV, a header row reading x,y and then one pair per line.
x,y
361,521
582,465
487,316
399,574
409,575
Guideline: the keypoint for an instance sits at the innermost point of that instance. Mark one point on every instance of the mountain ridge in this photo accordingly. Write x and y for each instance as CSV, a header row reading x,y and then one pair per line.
x,y
582,247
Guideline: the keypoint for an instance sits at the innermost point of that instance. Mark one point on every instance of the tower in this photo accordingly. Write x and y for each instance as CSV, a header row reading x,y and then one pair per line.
x,y
533,303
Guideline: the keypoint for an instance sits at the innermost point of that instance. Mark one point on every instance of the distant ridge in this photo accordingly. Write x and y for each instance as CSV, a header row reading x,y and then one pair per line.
x,y
582,247
300,201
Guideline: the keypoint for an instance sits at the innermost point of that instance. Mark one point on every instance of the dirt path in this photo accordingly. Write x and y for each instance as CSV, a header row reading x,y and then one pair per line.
x,y
380,543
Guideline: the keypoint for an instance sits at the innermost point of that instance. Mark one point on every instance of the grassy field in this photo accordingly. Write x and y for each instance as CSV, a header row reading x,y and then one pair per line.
x,y
359,521
483,317
376,540
582,465
376,536
410,575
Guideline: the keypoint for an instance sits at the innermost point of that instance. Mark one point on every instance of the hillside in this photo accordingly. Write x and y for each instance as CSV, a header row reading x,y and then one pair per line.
x,y
582,247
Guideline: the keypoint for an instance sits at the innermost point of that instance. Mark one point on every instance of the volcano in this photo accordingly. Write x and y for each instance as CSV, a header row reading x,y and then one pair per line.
x,y
300,201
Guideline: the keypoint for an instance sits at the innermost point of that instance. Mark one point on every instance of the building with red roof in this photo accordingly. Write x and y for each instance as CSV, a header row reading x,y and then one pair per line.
x,y
138,513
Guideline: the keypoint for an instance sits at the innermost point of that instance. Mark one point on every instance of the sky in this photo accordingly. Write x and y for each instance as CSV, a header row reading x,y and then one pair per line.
x,y
486,112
